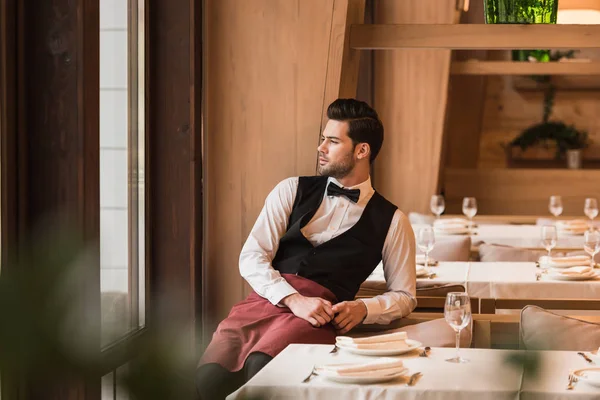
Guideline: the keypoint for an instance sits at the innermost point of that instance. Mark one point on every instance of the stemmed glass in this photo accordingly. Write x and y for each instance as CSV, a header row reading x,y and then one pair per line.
x,y
549,238
457,312
437,205
590,209
469,208
426,241
555,206
591,244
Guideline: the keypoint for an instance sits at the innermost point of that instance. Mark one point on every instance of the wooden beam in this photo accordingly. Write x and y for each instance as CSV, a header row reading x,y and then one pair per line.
x,y
524,68
341,80
474,36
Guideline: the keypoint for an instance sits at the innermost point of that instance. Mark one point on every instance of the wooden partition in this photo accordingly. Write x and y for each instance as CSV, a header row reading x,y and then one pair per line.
x,y
271,69
520,192
410,91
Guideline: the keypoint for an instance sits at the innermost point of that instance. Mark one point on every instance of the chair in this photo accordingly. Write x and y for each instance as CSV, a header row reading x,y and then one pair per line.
x,y
544,330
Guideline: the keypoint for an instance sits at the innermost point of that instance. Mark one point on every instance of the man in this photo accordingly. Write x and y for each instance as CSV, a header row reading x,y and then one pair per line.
x,y
314,243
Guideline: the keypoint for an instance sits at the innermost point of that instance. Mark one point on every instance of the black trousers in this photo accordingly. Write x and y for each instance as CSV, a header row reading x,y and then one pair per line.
x,y
214,382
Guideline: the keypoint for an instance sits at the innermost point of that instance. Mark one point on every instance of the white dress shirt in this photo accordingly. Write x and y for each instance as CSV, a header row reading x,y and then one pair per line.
x,y
335,215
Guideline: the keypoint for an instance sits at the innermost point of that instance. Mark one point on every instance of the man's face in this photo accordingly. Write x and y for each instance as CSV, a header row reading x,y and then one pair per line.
x,y
336,151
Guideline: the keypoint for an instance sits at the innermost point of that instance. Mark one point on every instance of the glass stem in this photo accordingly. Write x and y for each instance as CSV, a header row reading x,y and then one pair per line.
x,y
426,259
458,344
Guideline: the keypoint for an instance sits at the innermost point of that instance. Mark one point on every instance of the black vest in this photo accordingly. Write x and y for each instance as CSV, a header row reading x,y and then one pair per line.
x,y
343,263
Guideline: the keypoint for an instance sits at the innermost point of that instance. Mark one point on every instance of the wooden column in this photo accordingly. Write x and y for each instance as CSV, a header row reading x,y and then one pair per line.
x,y
343,62
174,167
410,97
50,149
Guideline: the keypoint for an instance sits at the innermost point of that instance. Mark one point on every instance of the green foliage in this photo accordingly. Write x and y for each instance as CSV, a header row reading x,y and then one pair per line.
x,y
529,361
49,331
521,11
566,137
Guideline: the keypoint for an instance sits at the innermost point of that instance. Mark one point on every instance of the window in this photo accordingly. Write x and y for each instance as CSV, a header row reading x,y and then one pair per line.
x,y
122,156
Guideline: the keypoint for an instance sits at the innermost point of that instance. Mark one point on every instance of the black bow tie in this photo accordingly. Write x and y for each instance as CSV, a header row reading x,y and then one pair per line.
x,y
335,190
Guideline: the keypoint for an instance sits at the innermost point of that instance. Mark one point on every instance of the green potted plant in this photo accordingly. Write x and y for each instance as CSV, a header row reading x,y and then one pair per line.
x,y
520,11
567,140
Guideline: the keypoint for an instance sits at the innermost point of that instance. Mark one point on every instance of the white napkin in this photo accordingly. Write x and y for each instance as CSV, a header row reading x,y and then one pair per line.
x,y
564,261
388,337
378,366
421,260
573,271
450,222
451,229
574,223
421,270
573,226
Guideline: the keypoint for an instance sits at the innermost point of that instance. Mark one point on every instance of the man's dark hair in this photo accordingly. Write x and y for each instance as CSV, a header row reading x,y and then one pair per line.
x,y
364,125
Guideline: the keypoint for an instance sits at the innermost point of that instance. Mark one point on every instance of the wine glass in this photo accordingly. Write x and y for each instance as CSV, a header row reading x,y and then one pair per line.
x,y
549,238
469,208
591,244
457,312
437,205
426,241
590,209
555,206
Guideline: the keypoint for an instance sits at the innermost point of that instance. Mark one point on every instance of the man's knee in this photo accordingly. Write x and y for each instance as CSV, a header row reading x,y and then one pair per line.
x,y
254,363
215,382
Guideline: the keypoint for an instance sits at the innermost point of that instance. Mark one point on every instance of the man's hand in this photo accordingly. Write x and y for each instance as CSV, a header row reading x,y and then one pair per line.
x,y
315,310
349,314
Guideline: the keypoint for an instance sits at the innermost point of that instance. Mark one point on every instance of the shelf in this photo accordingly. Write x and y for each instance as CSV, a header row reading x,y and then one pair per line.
x,y
524,68
474,36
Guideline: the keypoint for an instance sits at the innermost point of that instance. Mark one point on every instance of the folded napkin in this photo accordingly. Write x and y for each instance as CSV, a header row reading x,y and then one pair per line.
x,y
564,261
421,260
388,337
573,271
451,222
458,230
573,226
572,223
421,270
378,366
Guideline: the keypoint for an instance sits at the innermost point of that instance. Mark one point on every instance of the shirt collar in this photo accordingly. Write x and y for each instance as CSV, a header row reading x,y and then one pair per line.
x,y
365,187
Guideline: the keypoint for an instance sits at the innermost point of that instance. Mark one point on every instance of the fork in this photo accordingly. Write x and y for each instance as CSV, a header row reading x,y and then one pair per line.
x,y
413,379
424,352
312,373
585,357
572,381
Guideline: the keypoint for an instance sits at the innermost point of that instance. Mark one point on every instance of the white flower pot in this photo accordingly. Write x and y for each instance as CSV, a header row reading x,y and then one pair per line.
x,y
574,159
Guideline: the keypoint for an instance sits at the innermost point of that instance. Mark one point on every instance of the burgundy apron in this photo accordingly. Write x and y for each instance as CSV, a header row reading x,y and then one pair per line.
x,y
256,325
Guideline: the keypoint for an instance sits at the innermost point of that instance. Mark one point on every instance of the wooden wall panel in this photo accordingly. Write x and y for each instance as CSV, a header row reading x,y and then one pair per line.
x,y
519,191
508,111
466,97
410,97
265,70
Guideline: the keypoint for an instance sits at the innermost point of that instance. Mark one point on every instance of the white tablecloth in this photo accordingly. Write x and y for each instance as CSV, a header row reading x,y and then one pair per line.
x,y
517,280
552,378
486,376
521,236
503,280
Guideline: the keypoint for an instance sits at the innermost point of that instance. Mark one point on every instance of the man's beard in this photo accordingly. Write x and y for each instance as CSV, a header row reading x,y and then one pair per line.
x,y
340,169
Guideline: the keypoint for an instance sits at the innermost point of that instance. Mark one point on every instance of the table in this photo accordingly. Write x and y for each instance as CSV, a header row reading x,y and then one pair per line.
x,y
520,236
499,280
517,280
486,376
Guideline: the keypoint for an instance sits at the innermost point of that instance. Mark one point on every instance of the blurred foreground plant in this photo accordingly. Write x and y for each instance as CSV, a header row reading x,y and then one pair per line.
x,y
50,323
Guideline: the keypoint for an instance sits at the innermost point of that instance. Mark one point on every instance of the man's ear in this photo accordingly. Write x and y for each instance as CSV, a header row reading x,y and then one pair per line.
x,y
364,151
